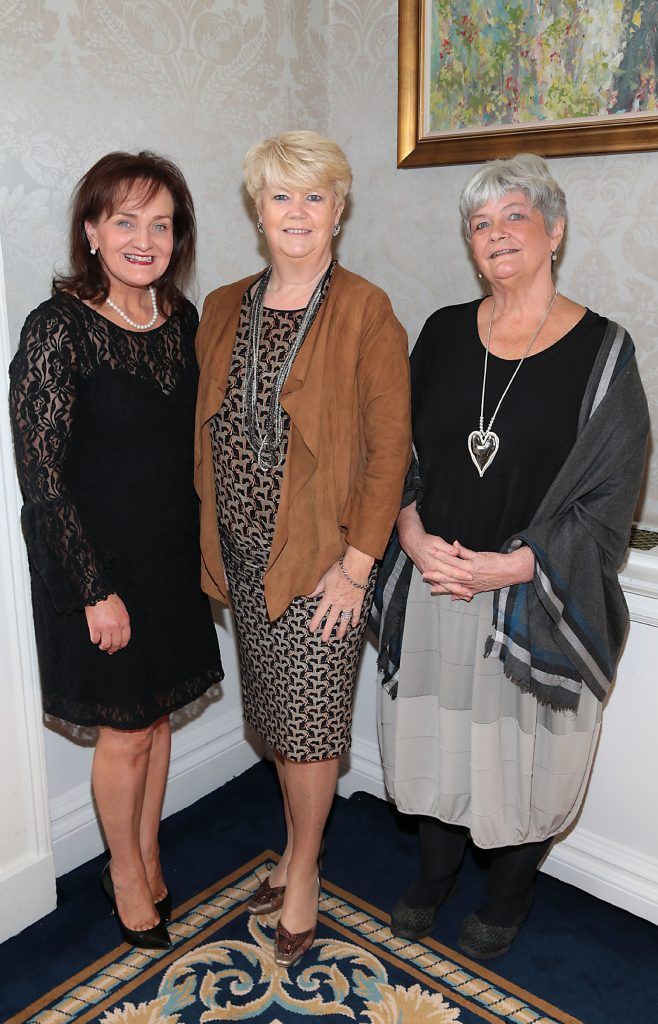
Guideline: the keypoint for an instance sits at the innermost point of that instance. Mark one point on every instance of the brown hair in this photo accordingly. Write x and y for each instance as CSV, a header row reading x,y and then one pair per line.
x,y
100,191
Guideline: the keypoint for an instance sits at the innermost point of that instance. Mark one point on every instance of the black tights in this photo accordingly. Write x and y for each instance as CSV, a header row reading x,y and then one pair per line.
x,y
511,875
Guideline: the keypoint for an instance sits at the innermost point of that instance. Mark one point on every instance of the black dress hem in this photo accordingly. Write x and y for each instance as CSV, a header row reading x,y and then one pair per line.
x,y
134,717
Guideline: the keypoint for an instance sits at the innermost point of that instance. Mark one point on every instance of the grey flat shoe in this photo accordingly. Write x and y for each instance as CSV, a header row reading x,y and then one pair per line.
x,y
486,941
416,922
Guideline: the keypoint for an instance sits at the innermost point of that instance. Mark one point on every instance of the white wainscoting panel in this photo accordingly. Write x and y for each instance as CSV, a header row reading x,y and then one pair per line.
x,y
27,880
615,873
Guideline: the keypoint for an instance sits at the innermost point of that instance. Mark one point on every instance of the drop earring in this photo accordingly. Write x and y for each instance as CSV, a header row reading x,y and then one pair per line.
x,y
93,250
336,230
260,227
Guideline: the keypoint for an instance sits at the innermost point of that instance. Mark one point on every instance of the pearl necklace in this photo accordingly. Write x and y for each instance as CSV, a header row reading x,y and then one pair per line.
x,y
138,327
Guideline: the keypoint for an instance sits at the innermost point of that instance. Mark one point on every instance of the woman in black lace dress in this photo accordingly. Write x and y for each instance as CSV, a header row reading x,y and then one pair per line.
x,y
102,397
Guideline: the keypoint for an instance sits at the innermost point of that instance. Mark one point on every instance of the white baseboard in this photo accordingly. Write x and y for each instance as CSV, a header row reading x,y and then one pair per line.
x,y
26,895
608,870
203,759
603,868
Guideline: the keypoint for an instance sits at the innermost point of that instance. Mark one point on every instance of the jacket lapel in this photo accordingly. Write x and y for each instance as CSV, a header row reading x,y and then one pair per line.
x,y
302,396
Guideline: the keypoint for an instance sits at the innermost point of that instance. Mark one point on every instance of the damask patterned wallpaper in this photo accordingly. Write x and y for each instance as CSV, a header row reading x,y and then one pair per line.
x,y
201,80
404,230
198,80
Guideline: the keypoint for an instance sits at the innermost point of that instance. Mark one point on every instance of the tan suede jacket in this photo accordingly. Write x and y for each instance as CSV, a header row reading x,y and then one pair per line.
x,y
349,447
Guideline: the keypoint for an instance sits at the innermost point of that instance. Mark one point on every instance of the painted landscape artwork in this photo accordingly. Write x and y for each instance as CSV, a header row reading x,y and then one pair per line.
x,y
502,63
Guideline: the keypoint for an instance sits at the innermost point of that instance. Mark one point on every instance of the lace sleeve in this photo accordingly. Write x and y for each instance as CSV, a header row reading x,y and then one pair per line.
x,y
42,400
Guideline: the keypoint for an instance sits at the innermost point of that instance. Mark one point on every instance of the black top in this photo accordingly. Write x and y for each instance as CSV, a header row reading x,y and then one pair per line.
x,y
536,424
103,421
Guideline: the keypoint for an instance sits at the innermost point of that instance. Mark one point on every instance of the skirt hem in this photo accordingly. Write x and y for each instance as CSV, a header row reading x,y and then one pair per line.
x,y
57,706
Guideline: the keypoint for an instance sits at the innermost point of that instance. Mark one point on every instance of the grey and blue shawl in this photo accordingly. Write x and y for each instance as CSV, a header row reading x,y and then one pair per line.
x,y
389,602
387,611
567,627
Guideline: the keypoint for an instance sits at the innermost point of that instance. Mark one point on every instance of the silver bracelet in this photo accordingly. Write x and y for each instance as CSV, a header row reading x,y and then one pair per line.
x,y
361,586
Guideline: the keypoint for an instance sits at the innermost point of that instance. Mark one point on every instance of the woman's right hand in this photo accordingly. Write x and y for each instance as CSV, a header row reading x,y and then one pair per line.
x,y
431,553
109,624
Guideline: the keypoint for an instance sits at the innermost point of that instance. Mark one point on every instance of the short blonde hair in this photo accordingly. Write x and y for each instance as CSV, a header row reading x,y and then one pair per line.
x,y
297,160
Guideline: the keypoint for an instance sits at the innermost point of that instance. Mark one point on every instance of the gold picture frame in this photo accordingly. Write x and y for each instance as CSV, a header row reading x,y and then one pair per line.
x,y
420,147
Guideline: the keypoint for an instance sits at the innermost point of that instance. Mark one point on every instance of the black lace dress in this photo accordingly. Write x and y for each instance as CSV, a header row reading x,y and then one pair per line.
x,y
103,422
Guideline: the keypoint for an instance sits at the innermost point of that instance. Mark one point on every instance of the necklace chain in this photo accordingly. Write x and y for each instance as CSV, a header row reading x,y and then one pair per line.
x,y
133,323
266,444
518,366
483,444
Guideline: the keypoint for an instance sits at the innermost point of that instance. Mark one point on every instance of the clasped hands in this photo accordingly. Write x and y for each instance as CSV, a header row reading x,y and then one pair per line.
x,y
456,570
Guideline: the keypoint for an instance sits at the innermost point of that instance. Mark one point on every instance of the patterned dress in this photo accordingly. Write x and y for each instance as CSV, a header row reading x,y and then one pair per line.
x,y
297,690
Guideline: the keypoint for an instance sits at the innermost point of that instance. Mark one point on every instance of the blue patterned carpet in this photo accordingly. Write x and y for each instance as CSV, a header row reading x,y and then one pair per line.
x,y
221,968
577,960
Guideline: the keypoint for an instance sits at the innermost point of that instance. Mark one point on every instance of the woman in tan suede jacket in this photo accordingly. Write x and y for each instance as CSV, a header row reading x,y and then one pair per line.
x,y
303,441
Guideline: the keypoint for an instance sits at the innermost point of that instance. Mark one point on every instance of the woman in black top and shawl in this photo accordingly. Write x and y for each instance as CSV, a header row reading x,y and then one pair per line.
x,y
530,426
103,391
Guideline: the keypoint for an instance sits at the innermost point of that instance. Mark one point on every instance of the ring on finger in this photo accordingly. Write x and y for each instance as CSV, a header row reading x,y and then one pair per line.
x,y
345,615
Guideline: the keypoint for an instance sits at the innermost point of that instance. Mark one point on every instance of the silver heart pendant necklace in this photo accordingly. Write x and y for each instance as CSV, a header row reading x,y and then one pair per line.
x,y
483,444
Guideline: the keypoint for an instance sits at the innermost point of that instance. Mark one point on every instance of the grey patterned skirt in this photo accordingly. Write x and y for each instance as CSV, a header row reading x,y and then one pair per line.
x,y
297,691
464,744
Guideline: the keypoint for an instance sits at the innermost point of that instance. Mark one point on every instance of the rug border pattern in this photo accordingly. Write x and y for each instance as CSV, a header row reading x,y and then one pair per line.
x,y
82,997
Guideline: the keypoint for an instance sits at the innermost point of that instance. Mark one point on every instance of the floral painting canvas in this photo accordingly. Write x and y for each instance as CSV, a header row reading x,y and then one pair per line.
x,y
491,65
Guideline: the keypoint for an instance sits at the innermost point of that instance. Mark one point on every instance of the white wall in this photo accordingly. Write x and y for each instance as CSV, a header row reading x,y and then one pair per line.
x,y
27,873
613,850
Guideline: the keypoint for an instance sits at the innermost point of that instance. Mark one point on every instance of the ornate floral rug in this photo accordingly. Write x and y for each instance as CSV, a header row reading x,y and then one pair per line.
x,y
221,969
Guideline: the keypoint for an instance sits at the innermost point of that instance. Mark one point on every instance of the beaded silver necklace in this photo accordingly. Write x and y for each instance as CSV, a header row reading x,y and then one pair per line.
x,y
266,444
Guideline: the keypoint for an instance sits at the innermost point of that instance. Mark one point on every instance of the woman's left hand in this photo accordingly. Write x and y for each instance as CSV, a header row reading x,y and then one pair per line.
x,y
490,570
341,602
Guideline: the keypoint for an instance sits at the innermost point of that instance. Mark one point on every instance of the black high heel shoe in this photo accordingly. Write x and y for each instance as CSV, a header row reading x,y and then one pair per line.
x,y
163,908
150,938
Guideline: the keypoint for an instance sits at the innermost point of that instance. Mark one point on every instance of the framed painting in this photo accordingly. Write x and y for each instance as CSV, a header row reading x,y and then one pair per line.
x,y
479,79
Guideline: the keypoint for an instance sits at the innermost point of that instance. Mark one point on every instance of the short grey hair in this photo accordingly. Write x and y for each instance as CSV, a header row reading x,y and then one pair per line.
x,y
527,173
